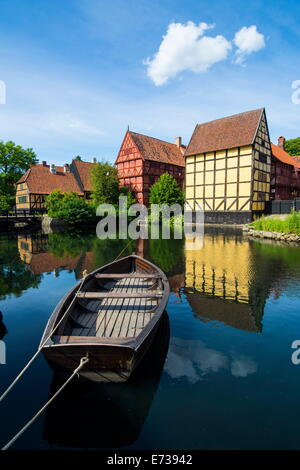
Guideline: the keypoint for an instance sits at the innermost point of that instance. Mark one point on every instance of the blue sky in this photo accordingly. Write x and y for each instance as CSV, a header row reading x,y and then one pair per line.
x,y
76,76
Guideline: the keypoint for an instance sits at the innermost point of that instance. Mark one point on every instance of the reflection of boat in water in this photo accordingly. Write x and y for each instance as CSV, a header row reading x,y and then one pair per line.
x,y
107,415
3,329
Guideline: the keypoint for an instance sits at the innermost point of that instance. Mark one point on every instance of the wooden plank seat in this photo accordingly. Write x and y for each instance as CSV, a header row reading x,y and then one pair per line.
x,y
120,295
127,276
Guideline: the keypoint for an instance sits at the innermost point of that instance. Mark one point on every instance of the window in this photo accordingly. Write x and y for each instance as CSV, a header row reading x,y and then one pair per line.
x,y
22,199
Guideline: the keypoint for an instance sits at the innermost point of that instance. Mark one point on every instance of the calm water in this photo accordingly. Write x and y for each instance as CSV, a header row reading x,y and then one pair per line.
x,y
219,376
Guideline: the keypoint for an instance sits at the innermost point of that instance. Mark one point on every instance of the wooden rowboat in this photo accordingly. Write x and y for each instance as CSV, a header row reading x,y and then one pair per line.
x,y
112,319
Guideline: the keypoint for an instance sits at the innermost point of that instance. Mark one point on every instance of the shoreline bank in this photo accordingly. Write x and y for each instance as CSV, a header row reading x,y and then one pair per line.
x,y
278,236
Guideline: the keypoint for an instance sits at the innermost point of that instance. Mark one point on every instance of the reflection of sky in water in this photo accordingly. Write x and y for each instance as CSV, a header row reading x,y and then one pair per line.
x,y
192,359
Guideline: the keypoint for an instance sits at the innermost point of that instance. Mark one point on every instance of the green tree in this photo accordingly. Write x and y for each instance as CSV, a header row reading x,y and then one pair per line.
x,y
78,158
166,191
14,161
124,191
105,186
53,202
292,146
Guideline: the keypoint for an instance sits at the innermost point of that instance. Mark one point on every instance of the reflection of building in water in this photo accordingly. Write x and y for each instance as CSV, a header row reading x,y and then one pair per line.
x,y
220,282
29,246
3,329
33,252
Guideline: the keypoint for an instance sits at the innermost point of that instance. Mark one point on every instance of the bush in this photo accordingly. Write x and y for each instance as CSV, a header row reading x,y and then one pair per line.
x,y
76,211
289,225
70,208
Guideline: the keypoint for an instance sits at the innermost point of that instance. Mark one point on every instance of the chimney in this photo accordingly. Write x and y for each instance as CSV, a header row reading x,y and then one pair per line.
x,y
178,142
44,163
66,168
281,142
53,169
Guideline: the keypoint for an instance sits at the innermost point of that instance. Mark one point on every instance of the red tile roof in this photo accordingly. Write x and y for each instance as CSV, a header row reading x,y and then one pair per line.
x,y
40,180
83,170
229,132
284,157
47,262
158,150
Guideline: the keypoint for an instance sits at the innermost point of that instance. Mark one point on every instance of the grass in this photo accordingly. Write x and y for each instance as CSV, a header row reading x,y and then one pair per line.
x,y
289,225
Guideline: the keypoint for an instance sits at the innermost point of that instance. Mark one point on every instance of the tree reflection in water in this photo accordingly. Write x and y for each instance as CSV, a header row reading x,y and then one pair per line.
x,y
15,278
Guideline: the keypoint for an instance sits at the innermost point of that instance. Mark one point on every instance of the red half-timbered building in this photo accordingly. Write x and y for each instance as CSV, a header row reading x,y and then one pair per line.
x,y
285,173
142,159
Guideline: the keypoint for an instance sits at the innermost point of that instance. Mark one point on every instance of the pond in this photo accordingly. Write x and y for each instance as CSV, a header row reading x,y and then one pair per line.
x,y
219,375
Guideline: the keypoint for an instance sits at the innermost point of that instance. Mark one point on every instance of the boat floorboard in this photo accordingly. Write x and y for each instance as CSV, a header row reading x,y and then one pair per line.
x,y
116,317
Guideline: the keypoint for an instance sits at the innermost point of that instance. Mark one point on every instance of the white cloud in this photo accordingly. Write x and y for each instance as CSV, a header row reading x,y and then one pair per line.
x,y
68,124
185,48
192,360
243,366
248,40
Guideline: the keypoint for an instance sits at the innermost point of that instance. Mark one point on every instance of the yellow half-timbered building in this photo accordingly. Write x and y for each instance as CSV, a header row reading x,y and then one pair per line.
x,y
228,166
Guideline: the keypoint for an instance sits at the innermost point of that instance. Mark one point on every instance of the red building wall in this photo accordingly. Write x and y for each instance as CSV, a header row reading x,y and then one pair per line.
x,y
139,174
152,171
285,181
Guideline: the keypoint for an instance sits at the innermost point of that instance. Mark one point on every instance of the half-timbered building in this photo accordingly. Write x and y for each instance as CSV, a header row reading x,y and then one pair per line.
x,y
41,179
285,173
228,167
142,159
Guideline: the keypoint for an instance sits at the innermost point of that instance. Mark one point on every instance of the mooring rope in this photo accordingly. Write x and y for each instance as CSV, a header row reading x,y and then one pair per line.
x,y
83,361
126,246
43,344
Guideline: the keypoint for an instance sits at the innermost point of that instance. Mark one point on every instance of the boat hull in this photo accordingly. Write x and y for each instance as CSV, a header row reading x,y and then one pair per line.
x,y
107,363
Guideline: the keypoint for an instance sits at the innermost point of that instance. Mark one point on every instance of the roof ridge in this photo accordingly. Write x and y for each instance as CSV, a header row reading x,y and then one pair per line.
x,y
82,161
154,138
236,130
231,116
